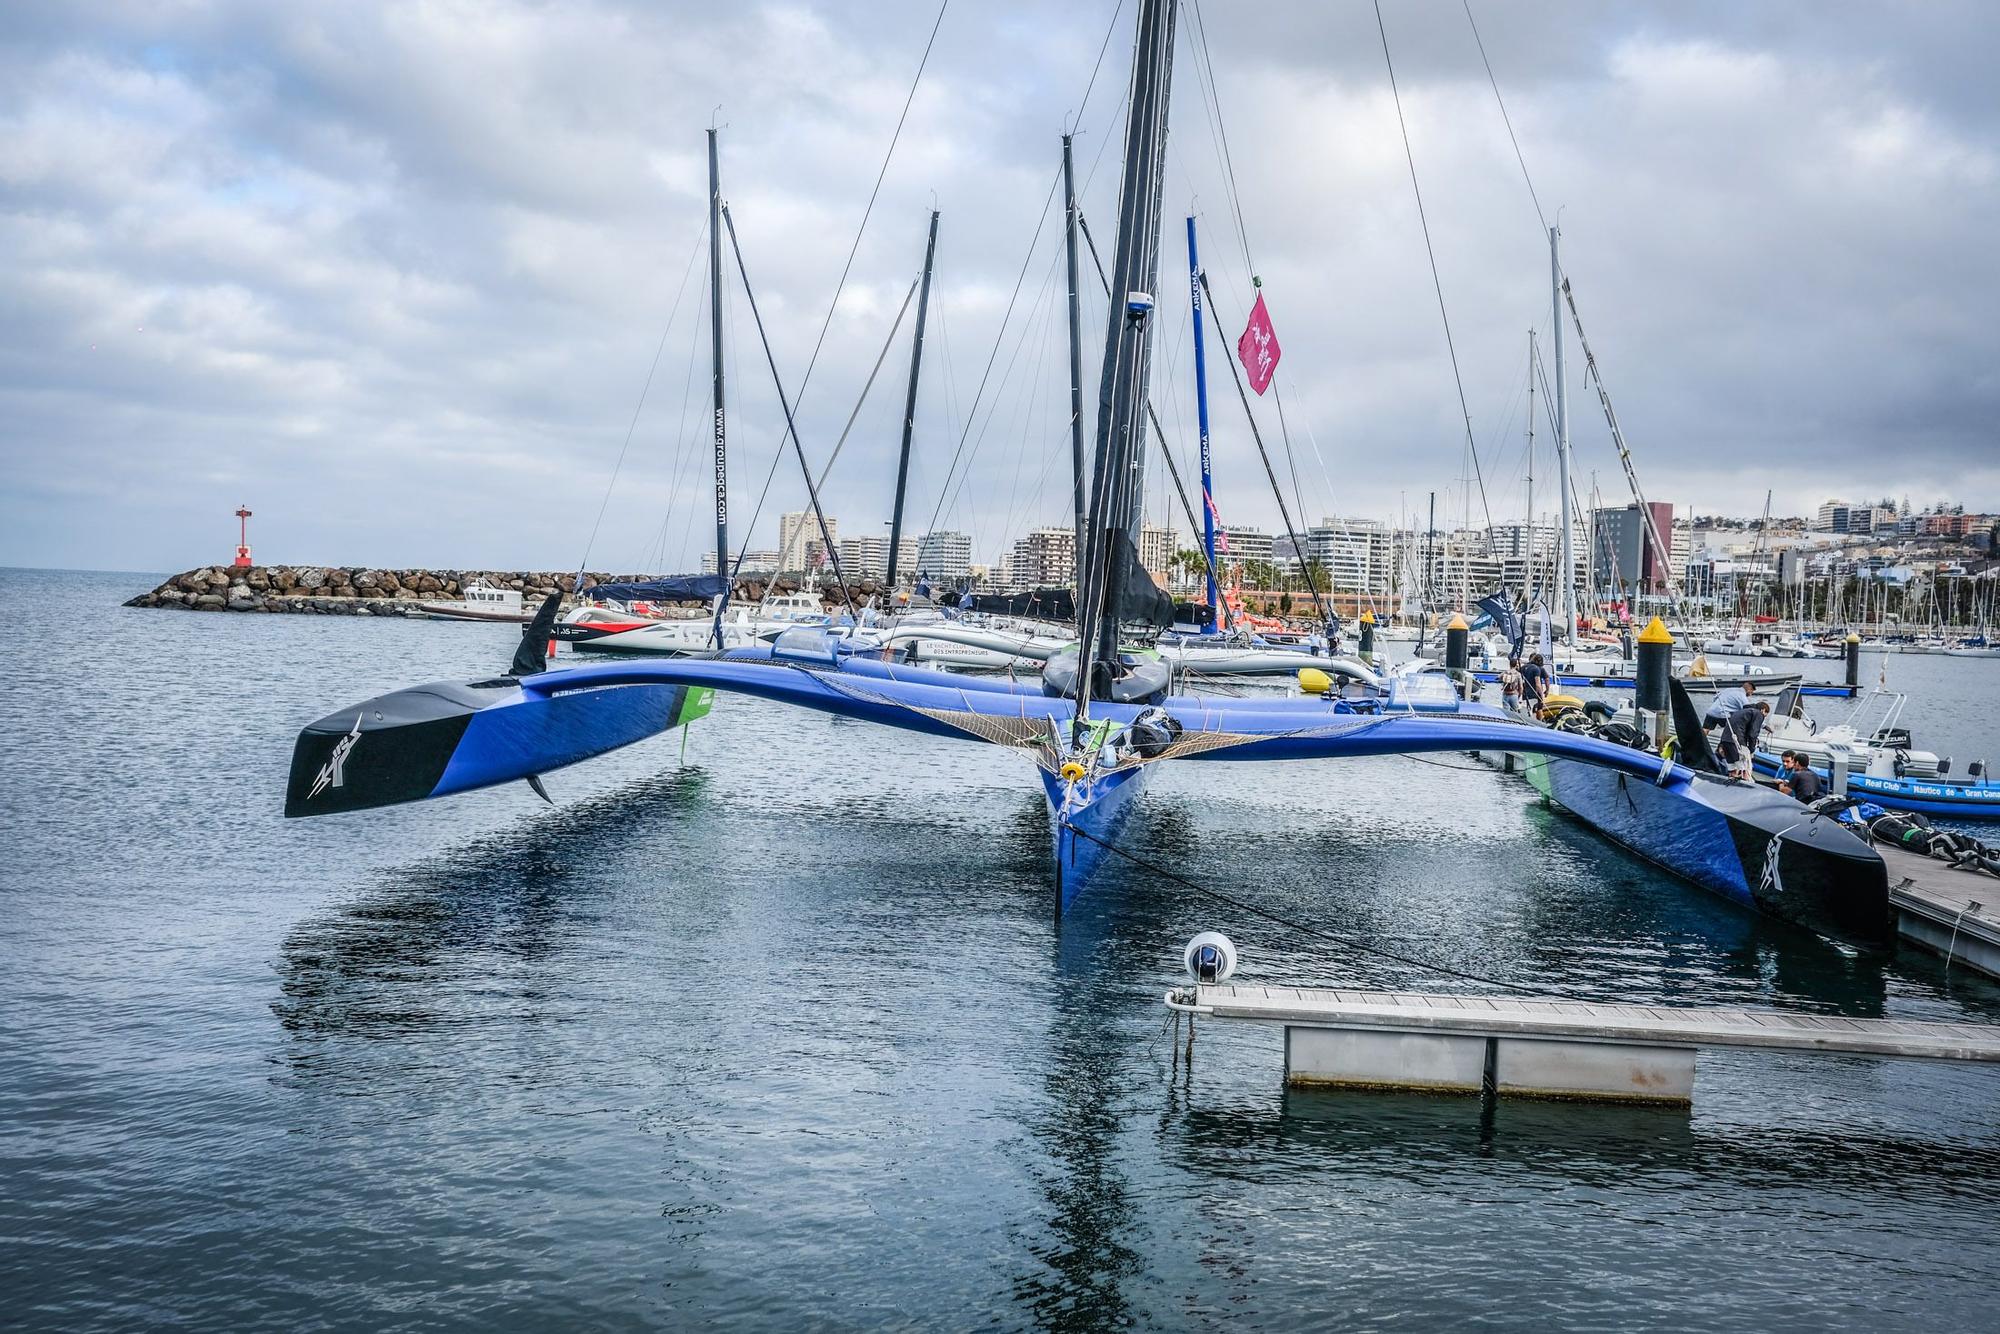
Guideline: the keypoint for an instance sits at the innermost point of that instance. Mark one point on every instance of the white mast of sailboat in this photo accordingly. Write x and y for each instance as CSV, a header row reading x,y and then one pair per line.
x,y
1565,552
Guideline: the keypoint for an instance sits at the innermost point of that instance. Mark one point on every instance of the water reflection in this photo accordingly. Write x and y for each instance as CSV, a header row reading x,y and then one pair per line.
x,y
1424,1139
378,966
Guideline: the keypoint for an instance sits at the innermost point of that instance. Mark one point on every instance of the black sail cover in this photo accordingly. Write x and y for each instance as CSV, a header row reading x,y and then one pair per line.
x,y
675,588
1140,601
1047,604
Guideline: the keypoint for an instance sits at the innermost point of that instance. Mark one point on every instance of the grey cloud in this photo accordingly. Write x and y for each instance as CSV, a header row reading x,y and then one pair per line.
x,y
395,275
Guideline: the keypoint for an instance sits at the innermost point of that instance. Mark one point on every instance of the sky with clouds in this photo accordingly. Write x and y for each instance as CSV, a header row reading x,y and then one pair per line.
x,y
402,278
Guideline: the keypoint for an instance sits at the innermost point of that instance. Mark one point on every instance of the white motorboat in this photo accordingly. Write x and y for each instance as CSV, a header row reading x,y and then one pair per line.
x,y
1243,655
479,601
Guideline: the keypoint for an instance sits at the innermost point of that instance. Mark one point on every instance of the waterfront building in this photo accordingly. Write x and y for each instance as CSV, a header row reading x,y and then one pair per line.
x,y
945,556
1356,554
1245,544
763,564
868,557
1629,562
1045,558
1157,544
799,546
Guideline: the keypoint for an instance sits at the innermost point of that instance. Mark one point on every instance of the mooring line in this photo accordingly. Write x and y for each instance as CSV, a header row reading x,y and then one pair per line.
x,y
1347,942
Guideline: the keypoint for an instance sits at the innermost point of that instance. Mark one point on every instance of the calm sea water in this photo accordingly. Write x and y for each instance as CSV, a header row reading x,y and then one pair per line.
x,y
779,1030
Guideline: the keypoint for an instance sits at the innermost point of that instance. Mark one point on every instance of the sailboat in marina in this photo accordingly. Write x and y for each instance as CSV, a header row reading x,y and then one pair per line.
x,y
1102,712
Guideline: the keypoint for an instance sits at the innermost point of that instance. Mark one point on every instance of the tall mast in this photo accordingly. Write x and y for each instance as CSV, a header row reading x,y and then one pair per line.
x,y
1071,215
910,404
715,355
1201,415
1430,560
1118,476
1528,593
1566,555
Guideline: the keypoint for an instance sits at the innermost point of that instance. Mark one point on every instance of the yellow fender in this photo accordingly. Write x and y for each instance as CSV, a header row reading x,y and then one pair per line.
x,y
1072,771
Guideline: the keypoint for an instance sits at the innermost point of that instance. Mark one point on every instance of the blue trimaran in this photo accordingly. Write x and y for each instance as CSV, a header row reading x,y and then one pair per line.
x,y
1101,716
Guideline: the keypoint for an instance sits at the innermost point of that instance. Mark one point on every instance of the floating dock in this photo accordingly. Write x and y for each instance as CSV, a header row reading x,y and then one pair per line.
x,y
1952,913
1525,1047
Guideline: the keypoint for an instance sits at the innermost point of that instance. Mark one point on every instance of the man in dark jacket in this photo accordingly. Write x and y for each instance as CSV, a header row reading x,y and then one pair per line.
x,y
1535,681
1800,781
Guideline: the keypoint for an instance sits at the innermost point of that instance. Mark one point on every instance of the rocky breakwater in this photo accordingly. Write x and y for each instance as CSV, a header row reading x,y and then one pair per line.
x,y
331,590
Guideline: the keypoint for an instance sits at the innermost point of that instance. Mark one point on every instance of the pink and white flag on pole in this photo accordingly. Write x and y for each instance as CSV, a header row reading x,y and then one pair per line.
x,y
1258,348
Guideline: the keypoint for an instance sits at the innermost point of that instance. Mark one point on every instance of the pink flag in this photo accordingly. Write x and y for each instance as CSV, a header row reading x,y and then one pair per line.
x,y
1258,348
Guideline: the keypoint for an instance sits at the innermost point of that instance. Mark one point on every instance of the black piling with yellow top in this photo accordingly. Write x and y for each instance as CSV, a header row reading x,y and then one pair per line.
x,y
1457,644
1655,664
1368,636
1853,659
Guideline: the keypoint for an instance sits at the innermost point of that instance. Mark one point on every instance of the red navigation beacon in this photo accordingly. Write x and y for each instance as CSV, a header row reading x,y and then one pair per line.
x,y
242,539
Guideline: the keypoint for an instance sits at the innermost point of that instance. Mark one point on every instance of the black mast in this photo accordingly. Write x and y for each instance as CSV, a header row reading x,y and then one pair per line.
x,y
910,404
1117,486
1075,351
715,352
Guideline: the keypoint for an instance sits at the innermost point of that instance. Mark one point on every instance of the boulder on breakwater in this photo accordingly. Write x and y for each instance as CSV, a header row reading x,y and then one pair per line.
x,y
332,590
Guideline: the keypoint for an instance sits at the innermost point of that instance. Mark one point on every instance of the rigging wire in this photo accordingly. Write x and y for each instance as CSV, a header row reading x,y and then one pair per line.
x,y
1305,928
1504,117
791,428
1321,605
1410,156
945,491
640,406
999,339
1213,103
1159,433
841,286
880,357
1219,132
675,472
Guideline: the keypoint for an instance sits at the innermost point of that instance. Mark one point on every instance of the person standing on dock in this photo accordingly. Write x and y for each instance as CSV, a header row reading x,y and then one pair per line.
x,y
1510,685
1800,781
1535,682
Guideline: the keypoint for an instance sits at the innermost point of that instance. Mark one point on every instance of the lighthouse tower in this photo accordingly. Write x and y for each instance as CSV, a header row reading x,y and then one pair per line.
x,y
242,561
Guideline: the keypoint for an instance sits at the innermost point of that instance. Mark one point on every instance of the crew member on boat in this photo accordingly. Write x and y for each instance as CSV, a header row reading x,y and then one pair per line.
x,y
1799,781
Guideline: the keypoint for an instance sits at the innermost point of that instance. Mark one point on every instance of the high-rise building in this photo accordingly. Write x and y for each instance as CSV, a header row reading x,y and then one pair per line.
x,y
868,557
1627,559
944,556
1833,517
1045,558
1244,544
1156,549
799,541
1355,553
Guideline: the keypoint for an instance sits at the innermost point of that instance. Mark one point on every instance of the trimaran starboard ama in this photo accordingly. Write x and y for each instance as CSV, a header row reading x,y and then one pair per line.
x,y
1101,716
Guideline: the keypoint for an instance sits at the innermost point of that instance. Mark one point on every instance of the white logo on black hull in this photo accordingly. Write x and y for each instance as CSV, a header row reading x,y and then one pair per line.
x,y
334,772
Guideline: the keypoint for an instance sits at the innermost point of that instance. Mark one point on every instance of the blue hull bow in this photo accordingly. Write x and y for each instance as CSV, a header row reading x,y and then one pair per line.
x,y
1085,816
